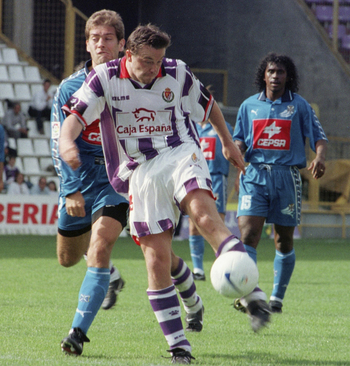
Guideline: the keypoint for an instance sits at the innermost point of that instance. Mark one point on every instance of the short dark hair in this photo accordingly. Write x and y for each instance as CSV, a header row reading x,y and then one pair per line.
x,y
147,35
287,62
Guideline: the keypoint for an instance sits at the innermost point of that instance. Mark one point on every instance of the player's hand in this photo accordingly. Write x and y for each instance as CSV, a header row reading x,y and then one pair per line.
x,y
233,154
70,154
317,168
75,205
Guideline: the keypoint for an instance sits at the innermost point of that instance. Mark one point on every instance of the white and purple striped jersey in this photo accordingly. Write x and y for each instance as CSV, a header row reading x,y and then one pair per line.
x,y
275,132
140,121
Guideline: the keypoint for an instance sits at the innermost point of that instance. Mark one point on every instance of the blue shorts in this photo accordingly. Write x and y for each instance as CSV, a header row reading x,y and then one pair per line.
x,y
219,187
271,191
97,193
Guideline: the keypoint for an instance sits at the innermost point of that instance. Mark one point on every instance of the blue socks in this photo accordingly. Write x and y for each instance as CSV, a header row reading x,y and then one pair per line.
x,y
197,252
92,293
283,269
251,252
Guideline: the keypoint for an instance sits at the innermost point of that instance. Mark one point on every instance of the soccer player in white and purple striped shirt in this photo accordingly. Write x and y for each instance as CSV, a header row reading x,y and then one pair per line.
x,y
149,105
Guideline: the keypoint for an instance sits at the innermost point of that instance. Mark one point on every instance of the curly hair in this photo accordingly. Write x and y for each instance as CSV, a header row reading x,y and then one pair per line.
x,y
287,62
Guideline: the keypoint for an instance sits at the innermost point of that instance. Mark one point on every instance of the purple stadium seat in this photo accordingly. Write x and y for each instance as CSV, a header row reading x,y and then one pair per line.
x,y
344,14
341,31
345,42
324,13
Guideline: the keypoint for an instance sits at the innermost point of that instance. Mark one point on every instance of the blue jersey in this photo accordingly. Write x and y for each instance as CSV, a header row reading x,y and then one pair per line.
x,y
89,142
212,149
274,132
91,177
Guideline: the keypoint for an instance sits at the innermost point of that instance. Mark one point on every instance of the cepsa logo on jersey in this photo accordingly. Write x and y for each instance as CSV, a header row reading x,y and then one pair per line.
x,y
92,134
208,145
271,134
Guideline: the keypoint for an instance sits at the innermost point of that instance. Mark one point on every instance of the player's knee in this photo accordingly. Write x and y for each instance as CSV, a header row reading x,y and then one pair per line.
x,y
66,260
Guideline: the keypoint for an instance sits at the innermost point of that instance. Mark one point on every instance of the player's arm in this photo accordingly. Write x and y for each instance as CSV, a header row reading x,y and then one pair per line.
x,y
317,166
229,149
70,131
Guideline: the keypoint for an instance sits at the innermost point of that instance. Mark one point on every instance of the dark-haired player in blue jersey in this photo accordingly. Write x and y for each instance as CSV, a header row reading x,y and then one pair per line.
x,y
219,169
271,130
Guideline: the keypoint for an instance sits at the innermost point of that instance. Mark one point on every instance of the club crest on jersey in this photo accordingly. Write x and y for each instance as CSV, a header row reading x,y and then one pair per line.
x,y
168,95
55,129
288,112
289,210
194,158
143,114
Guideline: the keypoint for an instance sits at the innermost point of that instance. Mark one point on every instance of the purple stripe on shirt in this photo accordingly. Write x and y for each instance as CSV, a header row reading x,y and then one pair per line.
x,y
188,83
191,184
94,83
113,68
146,148
110,149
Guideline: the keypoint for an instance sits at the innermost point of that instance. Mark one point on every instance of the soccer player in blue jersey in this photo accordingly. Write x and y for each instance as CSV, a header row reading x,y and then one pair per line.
x,y
91,214
219,169
271,130
86,196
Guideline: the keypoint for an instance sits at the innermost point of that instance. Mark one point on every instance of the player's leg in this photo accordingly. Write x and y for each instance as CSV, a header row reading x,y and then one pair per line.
x,y
201,208
183,280
161,291
283,265
70,249
105,231
196,243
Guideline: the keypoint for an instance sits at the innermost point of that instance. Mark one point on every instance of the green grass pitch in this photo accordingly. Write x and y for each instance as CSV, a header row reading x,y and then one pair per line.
x,y
38,299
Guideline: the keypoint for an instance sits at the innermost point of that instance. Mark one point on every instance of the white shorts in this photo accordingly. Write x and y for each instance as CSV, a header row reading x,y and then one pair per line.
x,y
158,186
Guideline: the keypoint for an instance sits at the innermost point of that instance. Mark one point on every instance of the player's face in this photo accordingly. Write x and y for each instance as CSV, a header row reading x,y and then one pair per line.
x,y
144,66
275,79
103,44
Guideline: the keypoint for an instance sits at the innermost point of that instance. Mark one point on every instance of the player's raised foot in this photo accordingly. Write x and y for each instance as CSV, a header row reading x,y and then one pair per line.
x,y
199,276
238,306
194,321
113,290
73,344
276,306
180,356
259,313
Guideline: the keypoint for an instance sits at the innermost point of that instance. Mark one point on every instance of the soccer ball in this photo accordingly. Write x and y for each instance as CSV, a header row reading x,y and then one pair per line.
x,y
234,274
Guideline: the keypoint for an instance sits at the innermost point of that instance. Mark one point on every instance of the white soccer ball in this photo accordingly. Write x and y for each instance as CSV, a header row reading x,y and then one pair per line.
x,y
234,274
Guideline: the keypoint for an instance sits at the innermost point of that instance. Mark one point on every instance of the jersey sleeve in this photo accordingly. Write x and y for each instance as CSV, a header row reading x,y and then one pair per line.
x,y
70,179
195,97
88,102
238,133
312,127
